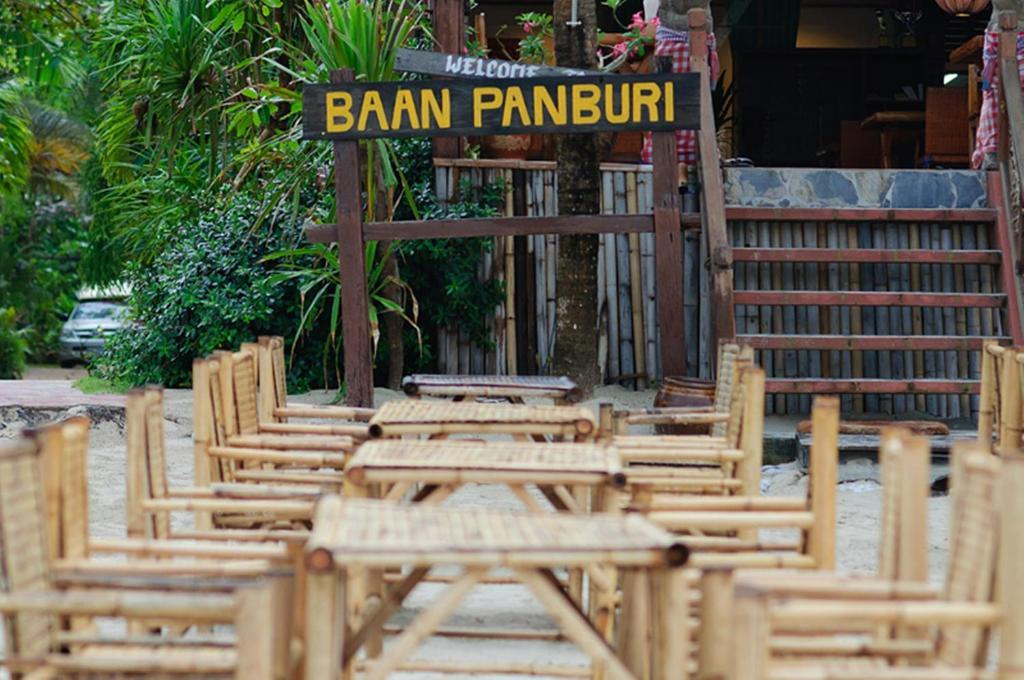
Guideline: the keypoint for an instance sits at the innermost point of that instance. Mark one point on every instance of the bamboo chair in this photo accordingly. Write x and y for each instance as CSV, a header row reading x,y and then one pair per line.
x,y
273,393
268,509
704,464
903,559
48,609
231,447
63,461
948,635
999,410
725,531
239,378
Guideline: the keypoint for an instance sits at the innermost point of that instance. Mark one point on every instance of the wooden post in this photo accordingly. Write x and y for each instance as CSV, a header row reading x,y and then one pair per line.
x,y
1009,402
823,478
449,33
355,313
671,602
135,475
713,195
714,660
1011,556
668,250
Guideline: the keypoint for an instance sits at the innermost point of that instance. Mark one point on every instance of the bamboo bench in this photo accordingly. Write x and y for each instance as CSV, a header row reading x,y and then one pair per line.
x,y
511,388
439,420
48,610
352,537
909,631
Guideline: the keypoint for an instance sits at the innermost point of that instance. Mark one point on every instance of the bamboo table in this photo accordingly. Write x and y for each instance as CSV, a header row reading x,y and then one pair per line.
x,y
439,420
350,537
564,472
512,388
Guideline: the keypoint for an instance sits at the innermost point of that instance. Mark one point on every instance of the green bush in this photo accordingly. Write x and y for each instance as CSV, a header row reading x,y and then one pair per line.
x,y
207,290
12,346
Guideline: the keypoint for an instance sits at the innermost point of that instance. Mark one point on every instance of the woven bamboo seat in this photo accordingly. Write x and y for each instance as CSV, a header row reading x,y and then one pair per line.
x,y
354,538
403,417
513,388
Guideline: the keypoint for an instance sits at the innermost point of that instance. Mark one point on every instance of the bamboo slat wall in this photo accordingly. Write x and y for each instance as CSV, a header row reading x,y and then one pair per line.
x,y
626,281
892,321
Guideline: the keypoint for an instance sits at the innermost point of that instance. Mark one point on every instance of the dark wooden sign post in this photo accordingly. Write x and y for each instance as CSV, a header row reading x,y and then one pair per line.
x,y
345,111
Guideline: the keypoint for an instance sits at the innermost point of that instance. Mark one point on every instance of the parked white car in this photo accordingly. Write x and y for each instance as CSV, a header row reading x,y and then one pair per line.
x,y
98,314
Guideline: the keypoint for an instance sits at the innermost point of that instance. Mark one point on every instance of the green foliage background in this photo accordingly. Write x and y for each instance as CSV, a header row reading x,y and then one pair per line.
x,y
157,142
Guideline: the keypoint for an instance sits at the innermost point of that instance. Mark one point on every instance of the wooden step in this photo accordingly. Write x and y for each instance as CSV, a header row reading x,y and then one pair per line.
x,y
867,342
869,256
860,215
870,386
865,299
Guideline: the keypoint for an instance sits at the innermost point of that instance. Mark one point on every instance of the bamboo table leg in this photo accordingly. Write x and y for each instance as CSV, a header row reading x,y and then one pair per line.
x,y
325,623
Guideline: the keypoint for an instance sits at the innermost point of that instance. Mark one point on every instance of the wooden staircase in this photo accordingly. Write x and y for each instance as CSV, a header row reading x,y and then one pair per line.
x,y
886,307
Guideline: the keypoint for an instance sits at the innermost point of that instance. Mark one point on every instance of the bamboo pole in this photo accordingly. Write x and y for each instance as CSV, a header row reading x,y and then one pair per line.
x,y
988,395
821,538
1009,403
748,470
714,659
751,636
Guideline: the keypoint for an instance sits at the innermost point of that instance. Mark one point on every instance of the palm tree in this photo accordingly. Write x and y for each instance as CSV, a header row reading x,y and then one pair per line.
x,y
15,138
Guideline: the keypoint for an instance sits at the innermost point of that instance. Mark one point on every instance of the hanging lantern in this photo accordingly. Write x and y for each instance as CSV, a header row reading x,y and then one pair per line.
x,y
962,8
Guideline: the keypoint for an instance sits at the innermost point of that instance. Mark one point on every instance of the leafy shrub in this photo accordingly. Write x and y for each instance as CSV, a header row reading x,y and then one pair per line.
x,y
209,289
12,346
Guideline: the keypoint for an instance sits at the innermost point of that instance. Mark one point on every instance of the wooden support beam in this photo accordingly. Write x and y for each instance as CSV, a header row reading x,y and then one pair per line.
x,y
867,299
449,19
823,386
668,253
868,256
355,312
860,214
713,195
907,343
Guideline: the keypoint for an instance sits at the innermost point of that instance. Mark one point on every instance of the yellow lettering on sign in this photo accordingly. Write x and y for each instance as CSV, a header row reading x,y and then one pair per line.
x,y
586,98
609,94
515,102
440,111
372,104
544,104
485,99
339,112
646,95
405,105
670,102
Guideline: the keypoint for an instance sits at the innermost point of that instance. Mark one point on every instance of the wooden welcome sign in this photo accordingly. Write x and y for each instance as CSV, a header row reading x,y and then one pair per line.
x,y
438,108
345,111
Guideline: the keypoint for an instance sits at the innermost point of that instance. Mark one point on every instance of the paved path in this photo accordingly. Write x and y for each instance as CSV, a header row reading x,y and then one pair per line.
x,y
51,394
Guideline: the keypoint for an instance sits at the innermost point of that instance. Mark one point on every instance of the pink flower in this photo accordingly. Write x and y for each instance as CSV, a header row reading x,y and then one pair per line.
x,y
528,27
656,22
638,20
619,49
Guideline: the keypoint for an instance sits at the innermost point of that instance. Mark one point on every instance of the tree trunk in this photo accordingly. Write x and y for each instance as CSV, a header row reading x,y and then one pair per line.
x,y
579,193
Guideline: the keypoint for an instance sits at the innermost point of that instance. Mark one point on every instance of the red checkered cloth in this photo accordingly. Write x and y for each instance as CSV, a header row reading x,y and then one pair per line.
x,y
669,43
988,123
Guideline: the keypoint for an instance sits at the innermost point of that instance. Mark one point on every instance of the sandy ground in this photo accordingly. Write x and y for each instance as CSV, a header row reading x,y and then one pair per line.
x,y
858,520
